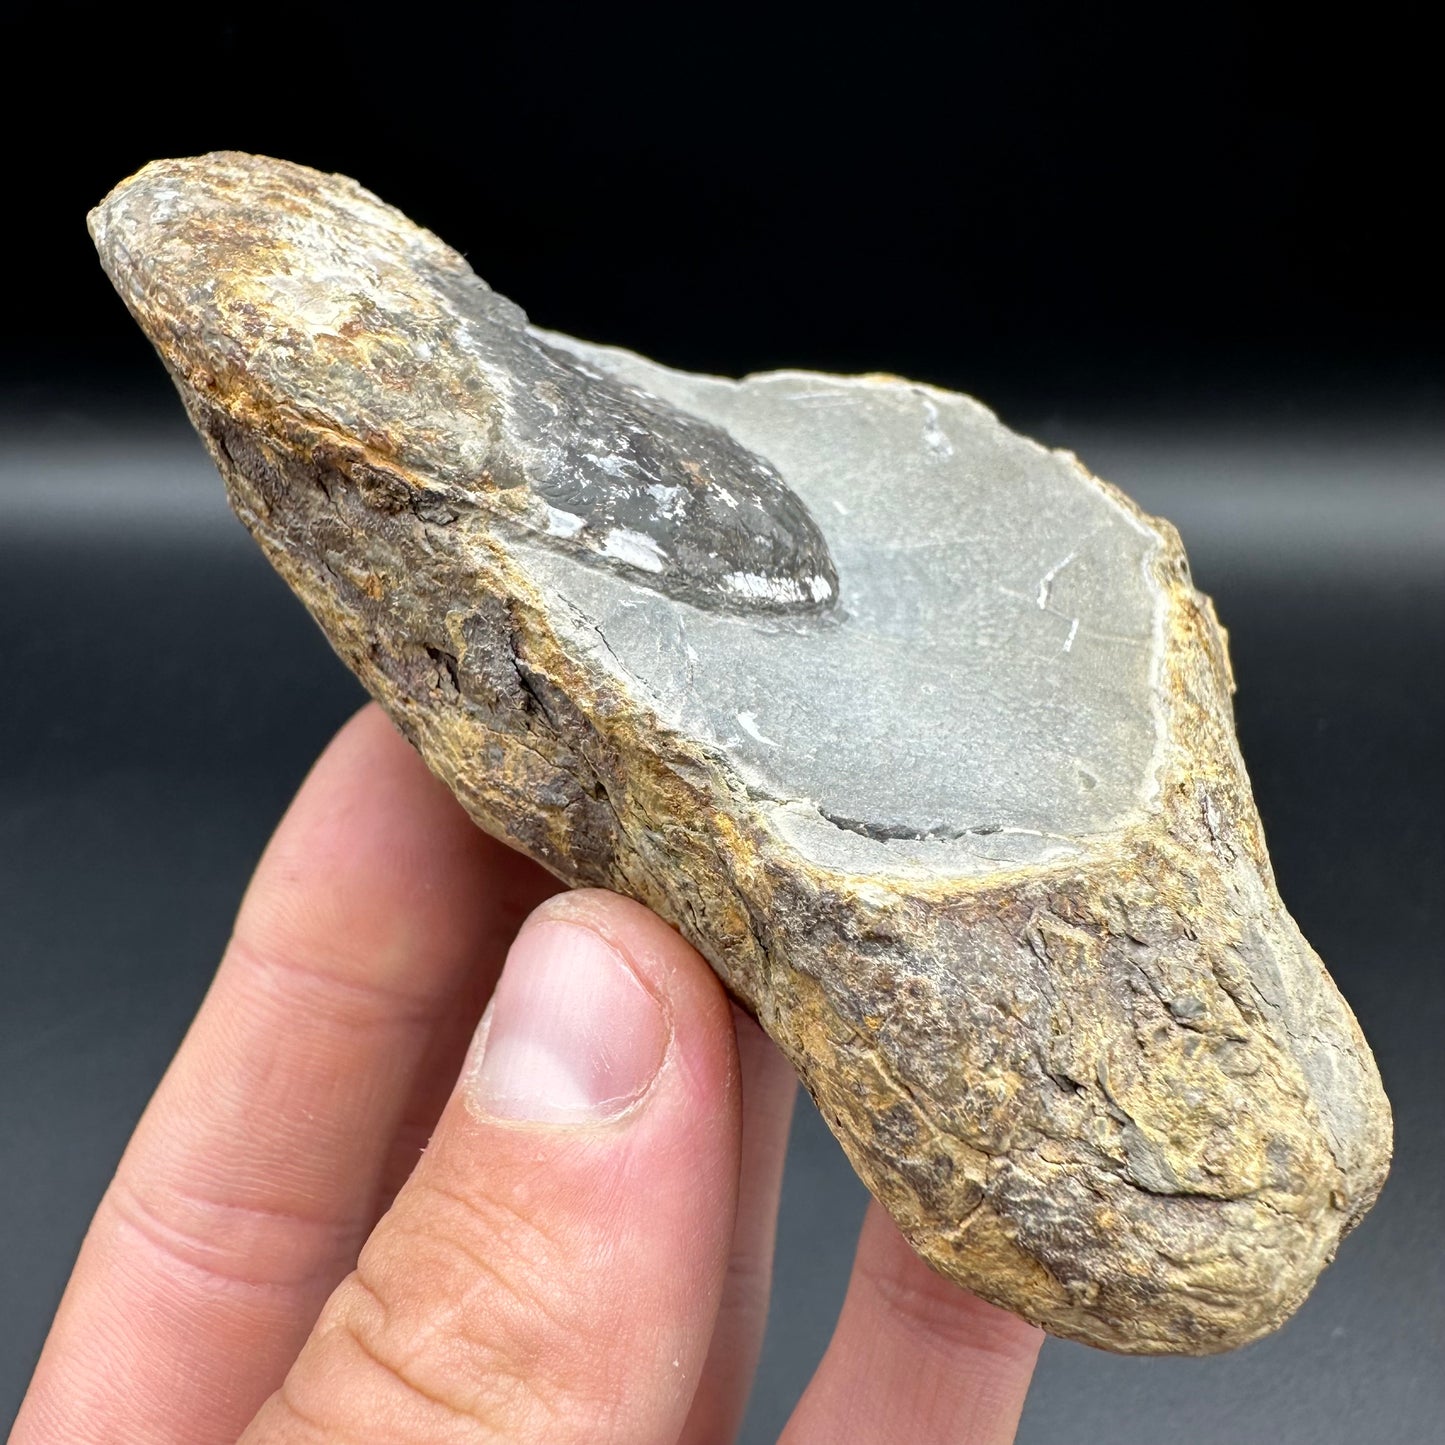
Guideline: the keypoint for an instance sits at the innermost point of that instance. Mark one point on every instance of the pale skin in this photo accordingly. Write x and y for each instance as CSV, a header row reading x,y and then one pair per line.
x,y
343,1219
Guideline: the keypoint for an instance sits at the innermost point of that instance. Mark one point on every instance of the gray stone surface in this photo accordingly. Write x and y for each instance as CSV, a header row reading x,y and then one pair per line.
x,y
987,686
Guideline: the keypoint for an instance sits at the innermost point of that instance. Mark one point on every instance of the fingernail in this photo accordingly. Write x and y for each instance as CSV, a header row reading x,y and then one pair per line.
x,y
571,1036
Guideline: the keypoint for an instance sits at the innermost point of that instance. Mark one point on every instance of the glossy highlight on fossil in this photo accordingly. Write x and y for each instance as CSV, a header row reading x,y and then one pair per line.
x,y
630,482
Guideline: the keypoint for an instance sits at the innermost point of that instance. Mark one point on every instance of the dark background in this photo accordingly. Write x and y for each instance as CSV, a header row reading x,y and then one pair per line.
x,y
1195,250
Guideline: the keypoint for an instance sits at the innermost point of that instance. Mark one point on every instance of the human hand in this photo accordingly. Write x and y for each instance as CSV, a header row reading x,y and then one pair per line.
x,y
582,1252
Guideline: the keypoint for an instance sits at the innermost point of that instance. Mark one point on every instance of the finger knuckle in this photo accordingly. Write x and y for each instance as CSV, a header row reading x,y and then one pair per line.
x,y
225,1244
319,977
938,1315
461,1302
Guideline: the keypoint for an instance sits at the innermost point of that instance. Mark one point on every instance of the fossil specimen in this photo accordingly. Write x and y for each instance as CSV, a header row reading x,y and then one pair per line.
x,y
919,732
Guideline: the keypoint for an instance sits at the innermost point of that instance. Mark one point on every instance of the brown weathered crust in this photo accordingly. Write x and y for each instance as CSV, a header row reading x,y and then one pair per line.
x,y
1119,1096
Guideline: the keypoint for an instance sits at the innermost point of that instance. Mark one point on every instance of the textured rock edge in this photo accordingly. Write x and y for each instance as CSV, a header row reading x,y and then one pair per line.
x,y
969,1041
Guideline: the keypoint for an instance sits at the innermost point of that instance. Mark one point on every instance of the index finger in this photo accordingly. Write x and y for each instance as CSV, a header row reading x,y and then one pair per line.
x,y
378,916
